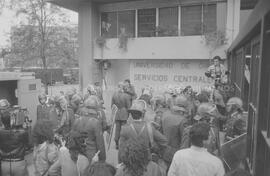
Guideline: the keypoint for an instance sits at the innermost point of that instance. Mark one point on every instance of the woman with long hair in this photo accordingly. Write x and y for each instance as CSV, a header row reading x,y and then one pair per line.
x,y
45,151
136,160
72,157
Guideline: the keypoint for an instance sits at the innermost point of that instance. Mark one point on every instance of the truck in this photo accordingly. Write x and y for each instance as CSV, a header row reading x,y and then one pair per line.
x,y
21,89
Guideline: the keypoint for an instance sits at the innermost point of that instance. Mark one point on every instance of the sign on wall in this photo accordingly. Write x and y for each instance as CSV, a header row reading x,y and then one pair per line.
x,y
161,74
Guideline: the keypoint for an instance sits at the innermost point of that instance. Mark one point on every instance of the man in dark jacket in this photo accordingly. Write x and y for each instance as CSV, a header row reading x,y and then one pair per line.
x,y
12,146
42,108
129,89
123,103
89,123
171,121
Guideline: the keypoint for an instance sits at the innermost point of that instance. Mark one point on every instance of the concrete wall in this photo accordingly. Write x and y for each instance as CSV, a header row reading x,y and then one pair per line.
x,y
88,29
188,47
244,14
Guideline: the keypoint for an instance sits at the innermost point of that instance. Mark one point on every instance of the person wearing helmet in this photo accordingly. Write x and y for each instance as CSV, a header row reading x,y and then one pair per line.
x,y
100,111
207,112
89,123
171,124
69,94
66,115
159,108
140,129
76,102
14,143
123,102
42,108
53,117
236,123
172,118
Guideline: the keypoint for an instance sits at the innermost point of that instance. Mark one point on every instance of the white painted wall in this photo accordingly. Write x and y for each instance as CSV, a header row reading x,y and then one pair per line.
x,y
188,47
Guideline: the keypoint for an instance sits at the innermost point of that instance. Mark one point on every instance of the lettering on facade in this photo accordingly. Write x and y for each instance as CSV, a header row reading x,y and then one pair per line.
x,y
149,77
190,79
161,65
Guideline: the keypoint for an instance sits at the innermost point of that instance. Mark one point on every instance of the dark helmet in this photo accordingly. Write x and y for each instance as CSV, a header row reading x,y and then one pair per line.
x,y
206,110
91,103
180,103
4,104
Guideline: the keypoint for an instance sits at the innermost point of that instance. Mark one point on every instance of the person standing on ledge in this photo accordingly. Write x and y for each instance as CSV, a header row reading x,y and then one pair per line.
x,y
129,89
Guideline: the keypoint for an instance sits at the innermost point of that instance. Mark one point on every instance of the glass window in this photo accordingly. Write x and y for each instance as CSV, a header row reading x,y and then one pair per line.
x,y
168,21
146,22
210,17
191,20
126,20
109,24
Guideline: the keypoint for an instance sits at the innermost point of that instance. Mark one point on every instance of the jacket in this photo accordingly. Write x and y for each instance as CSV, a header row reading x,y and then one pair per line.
x,y
142,131
13,143
42,112
67,120
123,103
171,128
94,141
44,155
67,166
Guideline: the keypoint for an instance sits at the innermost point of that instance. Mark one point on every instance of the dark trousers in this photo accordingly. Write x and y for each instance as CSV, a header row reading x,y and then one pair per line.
x,y
118,125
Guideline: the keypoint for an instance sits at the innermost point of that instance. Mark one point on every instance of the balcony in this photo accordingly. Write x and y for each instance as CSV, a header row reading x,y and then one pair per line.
x,y
75,4
183,47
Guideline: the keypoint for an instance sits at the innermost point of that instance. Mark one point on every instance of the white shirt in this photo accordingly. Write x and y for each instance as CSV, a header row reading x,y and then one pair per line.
x,y
195,161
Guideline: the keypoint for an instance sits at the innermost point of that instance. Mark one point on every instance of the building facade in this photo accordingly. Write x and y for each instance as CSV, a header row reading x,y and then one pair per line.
x,y
152,41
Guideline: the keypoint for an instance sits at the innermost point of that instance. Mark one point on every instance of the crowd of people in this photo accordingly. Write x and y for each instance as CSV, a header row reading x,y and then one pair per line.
x,y
174,133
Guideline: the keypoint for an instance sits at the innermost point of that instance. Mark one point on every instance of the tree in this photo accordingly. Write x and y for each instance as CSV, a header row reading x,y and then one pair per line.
x,y
43,16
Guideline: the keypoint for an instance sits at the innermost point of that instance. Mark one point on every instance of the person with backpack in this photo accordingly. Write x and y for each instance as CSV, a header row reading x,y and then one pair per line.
x,y
207,112
172,123
140,129
89,123
66,114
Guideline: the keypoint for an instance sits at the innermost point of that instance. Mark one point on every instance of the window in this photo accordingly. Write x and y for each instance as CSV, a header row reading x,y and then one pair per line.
x,y
197,19
191,20
168,21
109,24
147,22
113,22
209,18
126,20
